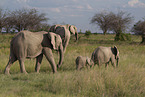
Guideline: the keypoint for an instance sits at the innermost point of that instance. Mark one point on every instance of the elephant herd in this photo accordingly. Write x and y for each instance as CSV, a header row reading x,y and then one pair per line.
x,y
101,55
27,44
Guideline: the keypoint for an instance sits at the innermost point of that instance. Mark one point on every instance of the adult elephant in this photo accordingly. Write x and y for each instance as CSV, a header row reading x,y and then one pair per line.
x,y
65,32
103,55
28,44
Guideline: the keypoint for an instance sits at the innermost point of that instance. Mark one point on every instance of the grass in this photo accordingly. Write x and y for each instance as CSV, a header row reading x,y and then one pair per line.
x,y
128,80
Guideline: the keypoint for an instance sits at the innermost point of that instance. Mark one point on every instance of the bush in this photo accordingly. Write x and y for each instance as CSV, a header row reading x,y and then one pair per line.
x,y
122,37
80,32
88,33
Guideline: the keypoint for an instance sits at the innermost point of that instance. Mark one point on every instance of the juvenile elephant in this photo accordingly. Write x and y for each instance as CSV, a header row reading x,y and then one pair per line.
x,y
82,62
28,44
103,55
65,32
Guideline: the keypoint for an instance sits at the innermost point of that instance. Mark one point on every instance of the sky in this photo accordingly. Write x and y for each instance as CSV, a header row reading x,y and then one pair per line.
x,y
77,12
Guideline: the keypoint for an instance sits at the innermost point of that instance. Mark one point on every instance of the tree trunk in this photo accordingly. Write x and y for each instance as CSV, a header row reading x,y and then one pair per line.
x,y
120,36
0,30
117,37
7,30
143,38
105,31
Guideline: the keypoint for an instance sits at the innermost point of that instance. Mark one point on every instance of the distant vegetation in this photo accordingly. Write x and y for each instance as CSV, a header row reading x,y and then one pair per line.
x,y
125,81
23,19
88,33
118,23
33,20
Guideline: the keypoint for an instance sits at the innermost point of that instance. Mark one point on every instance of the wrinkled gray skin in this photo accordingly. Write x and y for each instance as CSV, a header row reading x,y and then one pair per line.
x,y
104,55
65,32
81,62
28,44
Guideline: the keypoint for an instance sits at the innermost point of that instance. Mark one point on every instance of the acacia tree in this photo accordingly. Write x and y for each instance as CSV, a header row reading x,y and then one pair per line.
x,y
109,21
139,29
40,27
119,23
26,19
103,20
8,25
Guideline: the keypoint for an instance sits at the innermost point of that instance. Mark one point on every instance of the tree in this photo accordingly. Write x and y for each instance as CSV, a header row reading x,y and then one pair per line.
x,y
88,33
8,24
26,19
139,29
41,27
3,15
102,19
109,21
119,23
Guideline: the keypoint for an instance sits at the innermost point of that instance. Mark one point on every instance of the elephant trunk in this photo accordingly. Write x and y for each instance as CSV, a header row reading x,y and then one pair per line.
x,y
76,35
117,62
61,53
78,67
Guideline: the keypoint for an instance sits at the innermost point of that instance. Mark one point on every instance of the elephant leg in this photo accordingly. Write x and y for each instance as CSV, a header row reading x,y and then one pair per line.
x,y
113,63
49,56
65,43
38,63
88,67
22,66
98,63
7,68
106,65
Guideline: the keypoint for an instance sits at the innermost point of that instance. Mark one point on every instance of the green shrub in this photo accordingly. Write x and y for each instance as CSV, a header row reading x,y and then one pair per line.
x,y
123,37
80,32
88,33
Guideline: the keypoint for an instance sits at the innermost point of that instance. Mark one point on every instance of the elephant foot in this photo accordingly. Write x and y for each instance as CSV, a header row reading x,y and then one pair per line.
x,y
58,66
24,72
6,73
54,72
36,70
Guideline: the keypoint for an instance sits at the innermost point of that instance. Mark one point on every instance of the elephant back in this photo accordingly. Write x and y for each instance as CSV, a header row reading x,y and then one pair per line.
x,y
31,42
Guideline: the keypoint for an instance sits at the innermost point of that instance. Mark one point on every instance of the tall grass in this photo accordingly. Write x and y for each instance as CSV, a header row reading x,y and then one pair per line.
x,y
127,80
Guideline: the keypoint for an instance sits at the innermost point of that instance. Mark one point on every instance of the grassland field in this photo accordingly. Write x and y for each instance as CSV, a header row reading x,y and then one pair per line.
x,y
128,80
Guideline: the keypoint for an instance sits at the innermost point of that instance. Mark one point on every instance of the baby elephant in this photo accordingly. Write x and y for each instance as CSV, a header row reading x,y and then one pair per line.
x,y
83,61
103,55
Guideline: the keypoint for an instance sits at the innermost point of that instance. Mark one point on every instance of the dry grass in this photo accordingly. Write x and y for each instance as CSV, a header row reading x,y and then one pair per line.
x,y
125,81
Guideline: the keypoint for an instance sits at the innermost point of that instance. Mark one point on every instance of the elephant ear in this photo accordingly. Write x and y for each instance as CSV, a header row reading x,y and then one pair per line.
x,y
71,29
53,28
116,52
55,40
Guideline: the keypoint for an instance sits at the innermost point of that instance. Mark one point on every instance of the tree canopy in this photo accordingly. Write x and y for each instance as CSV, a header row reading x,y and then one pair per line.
x,y
139,29
3,15
116,22
26,18
102,20
22,19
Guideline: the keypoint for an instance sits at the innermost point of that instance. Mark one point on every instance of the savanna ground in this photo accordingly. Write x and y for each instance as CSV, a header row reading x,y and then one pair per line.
x,y
128,80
